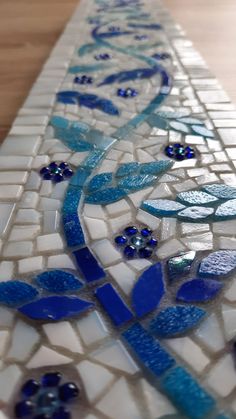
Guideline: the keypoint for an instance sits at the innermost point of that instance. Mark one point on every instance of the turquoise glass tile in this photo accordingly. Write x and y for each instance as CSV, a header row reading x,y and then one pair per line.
x,y
93,159
162,207
127,169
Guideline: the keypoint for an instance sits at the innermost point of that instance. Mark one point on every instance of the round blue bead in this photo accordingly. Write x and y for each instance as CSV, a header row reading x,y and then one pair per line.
x,y
48,176
190,155
51,379
177,145
68,172
30,388
130,251
169,151
120,240
53,165
68,391
61,413
58,177
152,242
42,416
63,165
131,230
24,409
146,232
188,148
44,170
145,252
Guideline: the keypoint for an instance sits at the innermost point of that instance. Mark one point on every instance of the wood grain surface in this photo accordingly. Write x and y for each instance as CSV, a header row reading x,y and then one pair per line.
x,y
29,29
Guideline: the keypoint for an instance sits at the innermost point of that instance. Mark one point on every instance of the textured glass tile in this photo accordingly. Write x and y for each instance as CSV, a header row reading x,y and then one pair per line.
x,y
113,304
88,265
148,350
187,394
195,213
218,263
58,281
15,293
226,210
180,265
162,207
196,198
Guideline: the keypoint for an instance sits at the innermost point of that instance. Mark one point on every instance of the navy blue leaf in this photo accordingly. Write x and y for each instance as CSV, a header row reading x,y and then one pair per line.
x,y
106,196
58,281
99,181
68,97
176,320
114,34
124,76
95,102
152,26
136,182
198,290
15,293
148,290
55,308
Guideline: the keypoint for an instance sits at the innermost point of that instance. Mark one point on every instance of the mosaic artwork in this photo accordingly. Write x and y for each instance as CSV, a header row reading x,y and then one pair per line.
x,y
118,228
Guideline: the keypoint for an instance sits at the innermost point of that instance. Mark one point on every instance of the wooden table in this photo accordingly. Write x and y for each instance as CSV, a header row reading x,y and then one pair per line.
x,y
29,29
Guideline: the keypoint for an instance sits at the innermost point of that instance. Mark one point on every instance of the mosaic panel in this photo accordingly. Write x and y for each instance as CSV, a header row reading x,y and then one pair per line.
x,y
118,230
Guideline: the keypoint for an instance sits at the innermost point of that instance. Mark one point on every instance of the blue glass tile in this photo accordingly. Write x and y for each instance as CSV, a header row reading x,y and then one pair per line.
x,y
51,379
105,196
88,265
30,388
98,139
187,394
148,350
223,416
136,182
202,131
24,409
14,293
127,169
148,290
79,178
91,101
59,122
162,207
195,213
58,281
226,211
71,200
99,181
130,230
61,413
88,68
180,265
175,320
113,304
145,252
93,159
130,251
120,240
55,308
156,168
68,392
196,198
198,290
218,263
73,230
221,191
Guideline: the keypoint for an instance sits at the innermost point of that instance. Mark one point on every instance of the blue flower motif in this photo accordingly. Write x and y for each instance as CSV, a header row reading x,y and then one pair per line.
x,y
56,172
136,243
47,398
179,152
127,93
103,57
140,37
83,79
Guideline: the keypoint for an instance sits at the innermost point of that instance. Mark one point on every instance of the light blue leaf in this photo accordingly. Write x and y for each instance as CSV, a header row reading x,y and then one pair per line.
x,y
99,181
174,115
158,122
127,169
175,320
203,131
124,76
88,48
198,290
55,308
58,281
148,290
156,168
14,293
162,207
220,263
191,121
179,126
90,68
136,182
106,196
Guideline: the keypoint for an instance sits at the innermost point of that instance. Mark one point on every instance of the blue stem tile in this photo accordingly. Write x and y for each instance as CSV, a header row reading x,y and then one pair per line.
x,y
88,265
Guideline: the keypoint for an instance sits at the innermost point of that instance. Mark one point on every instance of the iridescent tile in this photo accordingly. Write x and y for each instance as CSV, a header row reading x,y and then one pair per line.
x,y
180,265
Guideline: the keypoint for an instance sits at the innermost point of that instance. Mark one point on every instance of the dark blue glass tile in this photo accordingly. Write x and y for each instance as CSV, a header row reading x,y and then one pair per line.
x,y
148,350
113,304
146,232
68,391
61,413
63,165
152,242
67,173
14,293
187,394
73,230
58,281
51,379
30,388
198,290
180,265
88,265
24,409
120,240
148,290
130,230
55,308
218,263
42,416
175,320
130,251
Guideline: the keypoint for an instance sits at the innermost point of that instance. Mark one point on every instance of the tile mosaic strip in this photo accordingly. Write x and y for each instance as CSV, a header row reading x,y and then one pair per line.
x,y
118,234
